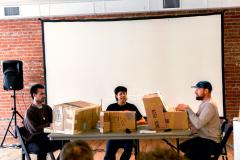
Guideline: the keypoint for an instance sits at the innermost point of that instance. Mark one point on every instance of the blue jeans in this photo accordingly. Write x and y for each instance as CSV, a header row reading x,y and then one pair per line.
x,y
114,145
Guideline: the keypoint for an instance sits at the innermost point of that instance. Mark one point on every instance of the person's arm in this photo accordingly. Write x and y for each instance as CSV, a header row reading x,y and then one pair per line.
x,y
205,116
140,119
200,120
32,122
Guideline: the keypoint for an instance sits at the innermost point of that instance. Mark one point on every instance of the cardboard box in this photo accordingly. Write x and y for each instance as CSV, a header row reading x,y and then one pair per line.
x,y
176,120
104,122
158,119
117,121
75,117
154,111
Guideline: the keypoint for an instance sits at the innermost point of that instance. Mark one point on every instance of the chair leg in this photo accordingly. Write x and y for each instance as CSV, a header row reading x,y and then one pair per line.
x,y
225,153
25,153
28,156
23,156
52,156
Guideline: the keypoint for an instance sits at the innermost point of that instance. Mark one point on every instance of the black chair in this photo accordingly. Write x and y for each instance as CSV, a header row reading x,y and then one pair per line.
x,y
224,152
227,129
25,151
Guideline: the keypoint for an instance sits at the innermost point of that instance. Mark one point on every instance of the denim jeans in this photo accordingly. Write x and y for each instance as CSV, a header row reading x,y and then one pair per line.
x,y
114,145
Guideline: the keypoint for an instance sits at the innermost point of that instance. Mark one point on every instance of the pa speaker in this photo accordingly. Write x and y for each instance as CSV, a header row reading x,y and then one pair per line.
x,y
12,75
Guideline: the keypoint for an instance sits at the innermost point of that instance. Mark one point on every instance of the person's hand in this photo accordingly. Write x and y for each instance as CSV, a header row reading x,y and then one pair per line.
x,y
193,129
141,121
182,107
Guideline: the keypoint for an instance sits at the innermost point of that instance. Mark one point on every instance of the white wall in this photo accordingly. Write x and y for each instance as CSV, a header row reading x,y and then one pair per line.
x,y
30,8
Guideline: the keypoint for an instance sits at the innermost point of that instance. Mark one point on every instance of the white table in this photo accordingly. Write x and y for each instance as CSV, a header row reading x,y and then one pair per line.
x,y
95,135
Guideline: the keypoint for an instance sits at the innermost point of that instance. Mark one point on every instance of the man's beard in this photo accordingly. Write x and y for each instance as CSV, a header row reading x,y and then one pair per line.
x,y
199,98
40,101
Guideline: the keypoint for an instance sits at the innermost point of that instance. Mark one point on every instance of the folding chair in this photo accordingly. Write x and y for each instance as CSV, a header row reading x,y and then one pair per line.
x,y
227,129
224,152
25,151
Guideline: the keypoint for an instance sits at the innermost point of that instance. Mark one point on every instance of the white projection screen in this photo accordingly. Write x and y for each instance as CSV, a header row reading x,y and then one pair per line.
x,y
86,60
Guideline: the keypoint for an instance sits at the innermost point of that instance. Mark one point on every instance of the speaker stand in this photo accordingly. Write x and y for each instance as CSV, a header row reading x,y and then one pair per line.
x,y
14,118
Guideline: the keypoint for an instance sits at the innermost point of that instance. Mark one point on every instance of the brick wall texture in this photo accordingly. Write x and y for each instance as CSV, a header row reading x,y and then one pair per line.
x,y
21,39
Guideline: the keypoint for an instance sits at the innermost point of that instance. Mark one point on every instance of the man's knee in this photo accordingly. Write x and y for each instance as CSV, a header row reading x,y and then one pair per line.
x,y
41,156
34,148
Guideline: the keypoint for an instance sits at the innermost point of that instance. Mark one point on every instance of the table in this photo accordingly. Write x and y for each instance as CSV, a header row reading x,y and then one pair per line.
x,y
95,135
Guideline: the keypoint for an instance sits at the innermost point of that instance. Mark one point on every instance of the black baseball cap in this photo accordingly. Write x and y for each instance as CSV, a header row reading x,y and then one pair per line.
x,y
203,84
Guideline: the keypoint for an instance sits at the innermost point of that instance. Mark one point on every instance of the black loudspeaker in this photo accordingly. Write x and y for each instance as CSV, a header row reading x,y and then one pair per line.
x,y
12,75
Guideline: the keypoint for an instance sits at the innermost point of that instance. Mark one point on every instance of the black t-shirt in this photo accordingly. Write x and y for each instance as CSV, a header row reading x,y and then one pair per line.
x,y
126,107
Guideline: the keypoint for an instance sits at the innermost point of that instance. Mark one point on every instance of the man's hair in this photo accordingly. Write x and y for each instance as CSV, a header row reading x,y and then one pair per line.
x,y
119,89
76,150
34,89
159,154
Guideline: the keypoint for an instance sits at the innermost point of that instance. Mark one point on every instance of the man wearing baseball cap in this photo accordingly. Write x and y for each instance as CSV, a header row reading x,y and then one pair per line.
x,y
205,122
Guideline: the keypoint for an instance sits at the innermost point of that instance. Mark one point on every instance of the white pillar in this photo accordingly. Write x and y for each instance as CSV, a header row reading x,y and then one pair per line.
x,y
236,137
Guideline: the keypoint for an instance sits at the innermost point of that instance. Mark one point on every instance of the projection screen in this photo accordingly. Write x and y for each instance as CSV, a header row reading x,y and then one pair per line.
x,y
86,60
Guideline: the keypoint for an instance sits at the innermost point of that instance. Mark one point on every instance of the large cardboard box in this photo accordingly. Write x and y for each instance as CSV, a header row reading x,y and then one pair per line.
x,y
75,117
117,121
158,119
176,120
154,111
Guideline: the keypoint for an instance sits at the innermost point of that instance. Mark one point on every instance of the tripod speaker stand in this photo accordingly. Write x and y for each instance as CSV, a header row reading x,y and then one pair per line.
x,y
12,80
13,118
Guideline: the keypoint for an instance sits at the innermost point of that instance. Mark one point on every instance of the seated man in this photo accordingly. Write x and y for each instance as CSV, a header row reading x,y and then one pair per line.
x,y
121,105
76,150
38,116
205,122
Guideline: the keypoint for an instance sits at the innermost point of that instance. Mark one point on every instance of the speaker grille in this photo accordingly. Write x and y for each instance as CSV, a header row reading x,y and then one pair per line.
x,y
12,75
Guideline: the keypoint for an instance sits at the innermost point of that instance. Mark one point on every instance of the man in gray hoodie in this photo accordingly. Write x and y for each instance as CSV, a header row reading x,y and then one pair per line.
x,y
205,123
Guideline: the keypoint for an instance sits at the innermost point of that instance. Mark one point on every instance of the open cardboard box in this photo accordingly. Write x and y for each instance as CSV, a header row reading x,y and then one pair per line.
x,y
75,117
160,120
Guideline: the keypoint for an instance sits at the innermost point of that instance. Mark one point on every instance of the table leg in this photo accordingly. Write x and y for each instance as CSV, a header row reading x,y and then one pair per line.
x,y
177,143
136,147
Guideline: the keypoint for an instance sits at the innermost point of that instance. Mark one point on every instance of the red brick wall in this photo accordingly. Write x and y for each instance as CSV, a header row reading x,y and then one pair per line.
x,y
22,40
232,61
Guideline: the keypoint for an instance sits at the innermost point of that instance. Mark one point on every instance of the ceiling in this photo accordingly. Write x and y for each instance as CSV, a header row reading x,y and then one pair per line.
x,y
17,2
